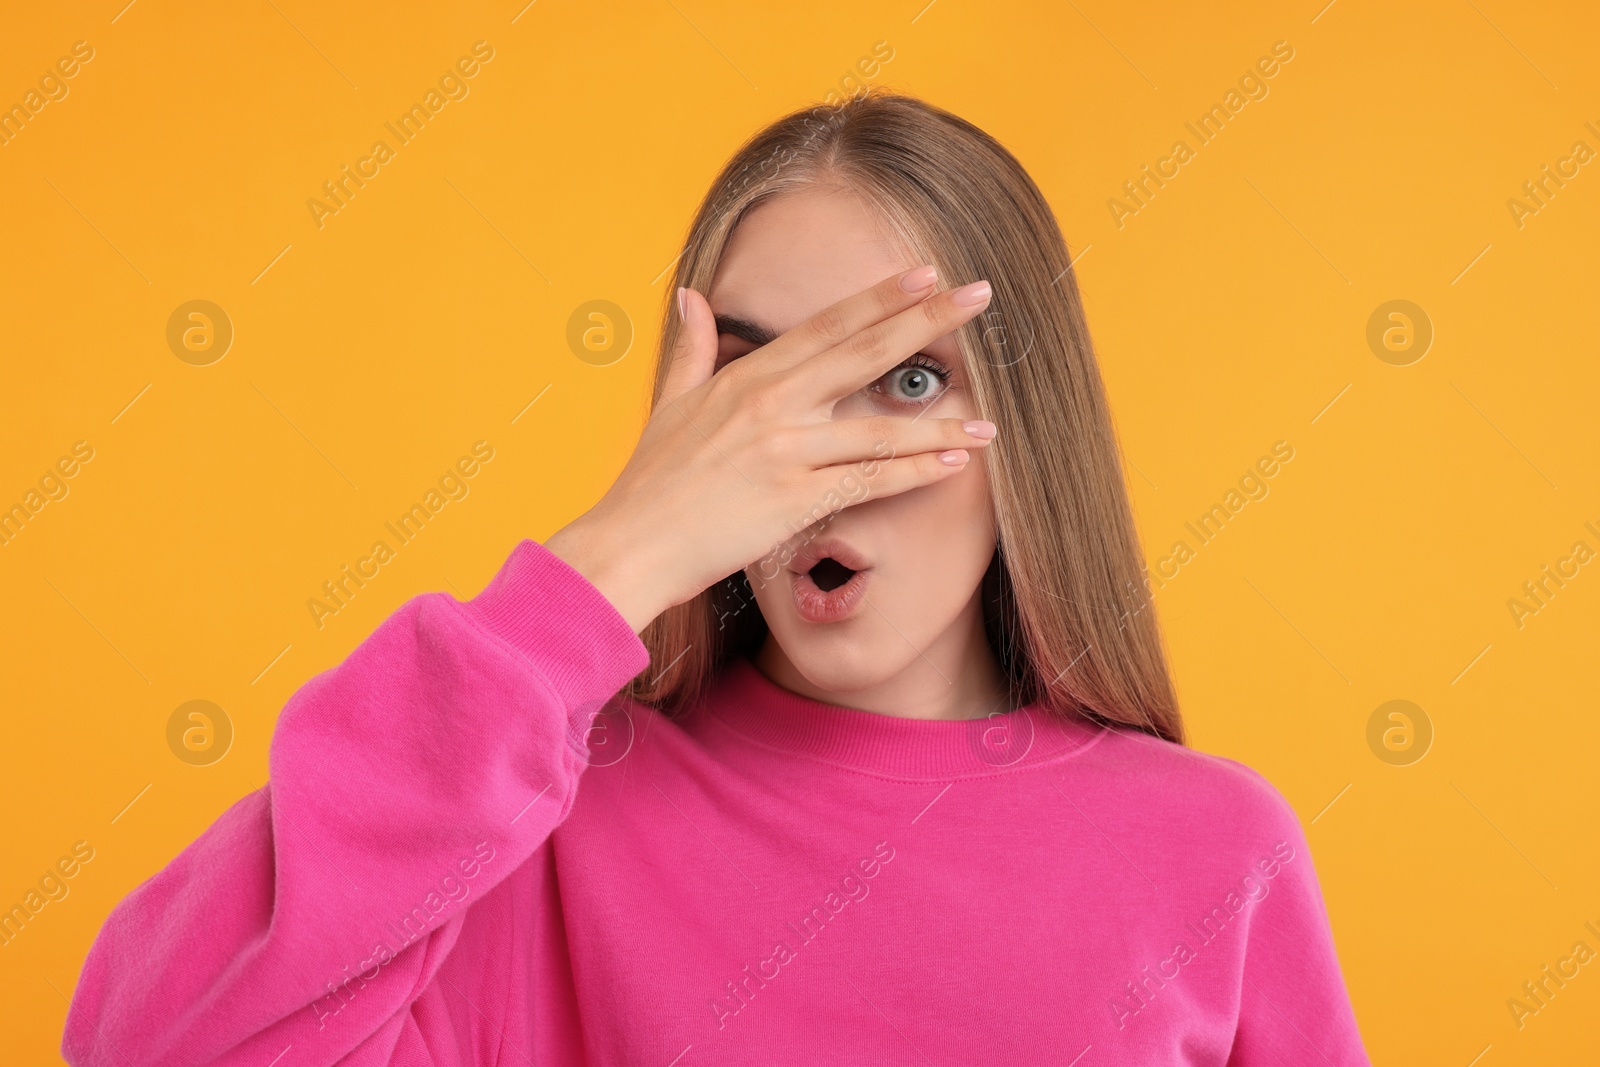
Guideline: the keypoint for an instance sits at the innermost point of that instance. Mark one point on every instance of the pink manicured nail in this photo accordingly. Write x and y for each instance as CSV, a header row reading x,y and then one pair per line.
x,y
954,457
968,295
683,304
917,280
981,428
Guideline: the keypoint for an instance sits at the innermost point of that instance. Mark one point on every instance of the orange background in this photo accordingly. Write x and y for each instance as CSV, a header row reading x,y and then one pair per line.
x,y
431,311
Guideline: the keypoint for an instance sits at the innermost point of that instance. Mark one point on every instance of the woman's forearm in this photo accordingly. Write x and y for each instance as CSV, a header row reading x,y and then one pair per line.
x,y
405,783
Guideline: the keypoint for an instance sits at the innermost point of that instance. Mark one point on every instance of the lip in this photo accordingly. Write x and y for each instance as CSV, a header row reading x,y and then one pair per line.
x,y
811,602
815,552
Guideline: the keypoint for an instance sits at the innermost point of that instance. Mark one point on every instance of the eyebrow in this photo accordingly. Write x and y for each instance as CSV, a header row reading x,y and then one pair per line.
x,y
745,330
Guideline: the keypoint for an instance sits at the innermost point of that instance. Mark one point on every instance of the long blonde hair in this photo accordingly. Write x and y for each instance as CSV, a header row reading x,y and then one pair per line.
x,y
1067,600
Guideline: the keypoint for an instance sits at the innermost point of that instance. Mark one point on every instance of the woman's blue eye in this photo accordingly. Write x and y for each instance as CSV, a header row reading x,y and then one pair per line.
x,y
913,383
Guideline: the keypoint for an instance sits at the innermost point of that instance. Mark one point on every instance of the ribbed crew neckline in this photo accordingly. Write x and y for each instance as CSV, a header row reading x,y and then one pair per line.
x,y
751,705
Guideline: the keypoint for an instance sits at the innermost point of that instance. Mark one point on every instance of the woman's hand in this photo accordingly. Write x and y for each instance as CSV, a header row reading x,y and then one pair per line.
x,y
731,462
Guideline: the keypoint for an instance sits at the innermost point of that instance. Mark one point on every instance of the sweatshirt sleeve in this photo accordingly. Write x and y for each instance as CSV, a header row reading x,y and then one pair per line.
x,y
1293,1004
404,784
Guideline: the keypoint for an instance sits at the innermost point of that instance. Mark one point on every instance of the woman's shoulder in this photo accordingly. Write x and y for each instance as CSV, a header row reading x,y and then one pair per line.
x,y
1195,787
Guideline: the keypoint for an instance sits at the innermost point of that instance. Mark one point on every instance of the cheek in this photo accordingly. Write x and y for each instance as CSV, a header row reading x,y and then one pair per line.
x,y
946,521
944,532
766,591
942,538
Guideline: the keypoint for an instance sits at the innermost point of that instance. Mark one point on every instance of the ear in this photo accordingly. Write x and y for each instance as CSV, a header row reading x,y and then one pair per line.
x,y
694,356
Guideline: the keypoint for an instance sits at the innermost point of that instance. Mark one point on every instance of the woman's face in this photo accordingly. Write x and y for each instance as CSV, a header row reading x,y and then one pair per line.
x,y
912,640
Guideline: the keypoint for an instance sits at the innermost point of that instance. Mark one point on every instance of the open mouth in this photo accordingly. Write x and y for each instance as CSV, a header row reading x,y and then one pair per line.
x,y
829,574
830,580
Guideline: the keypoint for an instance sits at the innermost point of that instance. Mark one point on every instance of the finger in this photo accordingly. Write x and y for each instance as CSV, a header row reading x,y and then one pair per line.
x,y
837,323
882,437
872,352
694,355
888,477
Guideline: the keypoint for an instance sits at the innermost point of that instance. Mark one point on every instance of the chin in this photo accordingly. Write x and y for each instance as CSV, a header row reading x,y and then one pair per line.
x,y
847,658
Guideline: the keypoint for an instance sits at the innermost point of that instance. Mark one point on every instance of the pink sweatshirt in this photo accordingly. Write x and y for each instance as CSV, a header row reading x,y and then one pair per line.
x,y
458,861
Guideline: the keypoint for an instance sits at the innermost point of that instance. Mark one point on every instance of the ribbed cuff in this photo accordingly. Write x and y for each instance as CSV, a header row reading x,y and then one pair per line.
x,y
564,625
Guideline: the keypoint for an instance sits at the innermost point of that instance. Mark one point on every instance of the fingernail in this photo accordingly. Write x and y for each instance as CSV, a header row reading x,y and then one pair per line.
x,y
919,279
683,304
955,457
980,428
968,295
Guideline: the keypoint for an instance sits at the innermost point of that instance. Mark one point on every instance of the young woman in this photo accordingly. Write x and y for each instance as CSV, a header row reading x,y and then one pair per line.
x,y
838,731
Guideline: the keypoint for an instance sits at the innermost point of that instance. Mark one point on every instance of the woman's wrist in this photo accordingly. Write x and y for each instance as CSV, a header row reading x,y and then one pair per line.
x,y
618,566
